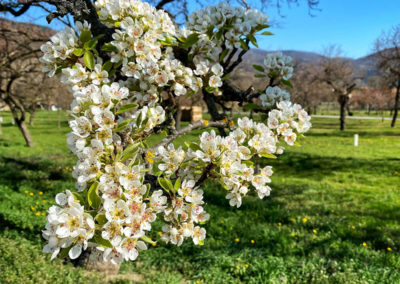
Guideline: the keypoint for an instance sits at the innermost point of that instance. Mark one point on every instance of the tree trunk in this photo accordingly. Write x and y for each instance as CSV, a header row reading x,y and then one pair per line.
x,y
25,132
212,109
178,118
32,117
343,101
396,106
21,123
91,260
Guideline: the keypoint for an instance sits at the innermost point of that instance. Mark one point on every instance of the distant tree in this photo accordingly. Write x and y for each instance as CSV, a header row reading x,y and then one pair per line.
x,y
21,78
337,74
387,47
308,89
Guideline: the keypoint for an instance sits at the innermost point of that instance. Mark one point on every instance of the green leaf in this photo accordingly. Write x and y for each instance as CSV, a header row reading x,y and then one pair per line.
x,y
253,40
177,184
107,66
89,59
85,36
287,83
248,163
267,33
109,47
267,155
226,77
127,107
78,197
147,240
93,196
165,184
224,53
209,89
64,252
250,106
90,44
260,75
99,240
190,40
121,126
261,27
258,68
78,52
243,45
101,219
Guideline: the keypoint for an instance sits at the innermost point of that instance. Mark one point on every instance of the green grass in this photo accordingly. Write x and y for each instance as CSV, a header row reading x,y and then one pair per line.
x,y
328,199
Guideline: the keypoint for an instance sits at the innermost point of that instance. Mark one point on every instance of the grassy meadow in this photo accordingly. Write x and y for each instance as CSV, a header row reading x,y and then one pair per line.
x,y
333,215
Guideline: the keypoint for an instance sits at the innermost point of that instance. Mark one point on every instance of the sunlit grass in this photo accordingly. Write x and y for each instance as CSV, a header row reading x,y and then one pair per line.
x,y
332,217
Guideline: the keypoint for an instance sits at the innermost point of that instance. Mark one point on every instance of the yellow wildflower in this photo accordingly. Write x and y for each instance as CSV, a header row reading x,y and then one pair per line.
x,y
237,240
389,249
31,194
225,120
231,123
205,122
305,220
246,265
252,241
41,193
26,191
37,213
314,231
279,224
160,233
364,244
353,227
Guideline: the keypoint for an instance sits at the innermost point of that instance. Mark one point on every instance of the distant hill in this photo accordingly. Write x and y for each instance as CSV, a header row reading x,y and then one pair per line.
x,y
364,66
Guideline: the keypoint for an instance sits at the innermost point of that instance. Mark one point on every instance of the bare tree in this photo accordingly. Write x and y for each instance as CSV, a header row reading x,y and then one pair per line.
x,y
20,71
308,90
387,48
337,73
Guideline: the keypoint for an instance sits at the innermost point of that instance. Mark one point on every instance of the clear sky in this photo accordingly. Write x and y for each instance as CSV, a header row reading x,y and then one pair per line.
x,y
352,24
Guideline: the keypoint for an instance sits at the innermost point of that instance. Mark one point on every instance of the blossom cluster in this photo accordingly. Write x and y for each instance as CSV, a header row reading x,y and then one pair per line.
x,y
68,225
118,104
232,23
273,95
278,65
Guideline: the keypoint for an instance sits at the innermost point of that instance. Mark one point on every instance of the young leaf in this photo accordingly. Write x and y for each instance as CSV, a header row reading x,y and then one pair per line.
x,y
99,240
287,83
101,219
85,36
147,240
165,184
267,155
177,184
267,33
78,52
93,196
121,126
258,67
224,53
260,75
127,107
89,59
243,45
190,40
253,40
109,47
90,44
107,66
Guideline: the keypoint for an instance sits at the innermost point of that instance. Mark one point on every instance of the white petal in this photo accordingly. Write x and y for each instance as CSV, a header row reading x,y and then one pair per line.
x,y
75,251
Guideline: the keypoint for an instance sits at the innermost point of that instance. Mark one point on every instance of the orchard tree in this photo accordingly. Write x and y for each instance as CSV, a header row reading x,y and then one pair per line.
x,y
387,48
337,73
127,63
21,79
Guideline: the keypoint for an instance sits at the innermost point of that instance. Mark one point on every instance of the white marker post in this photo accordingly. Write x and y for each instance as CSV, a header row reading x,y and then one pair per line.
x,y
355,140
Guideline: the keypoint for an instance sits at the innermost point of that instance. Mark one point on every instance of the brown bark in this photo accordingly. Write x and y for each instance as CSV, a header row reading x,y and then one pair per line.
x,y
178,118
92,260
396,106
343,99
32,117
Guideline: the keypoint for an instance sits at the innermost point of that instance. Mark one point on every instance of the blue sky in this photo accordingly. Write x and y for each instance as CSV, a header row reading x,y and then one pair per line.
x,y
352,24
